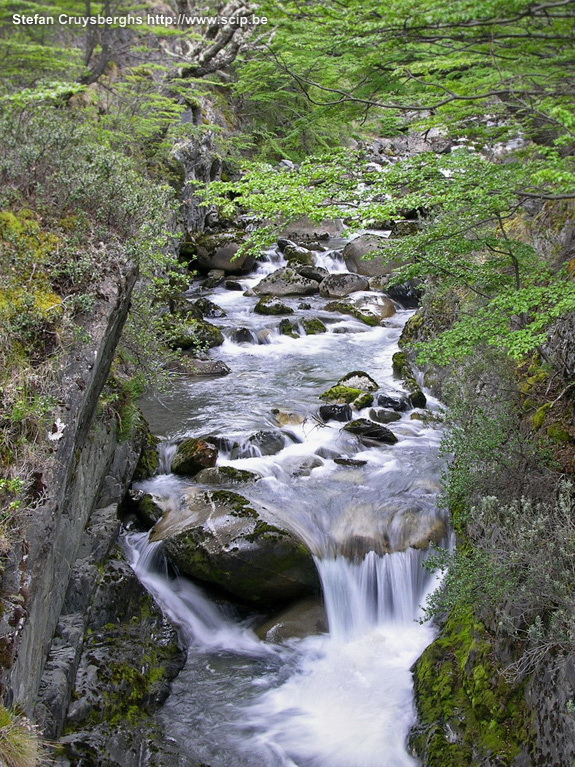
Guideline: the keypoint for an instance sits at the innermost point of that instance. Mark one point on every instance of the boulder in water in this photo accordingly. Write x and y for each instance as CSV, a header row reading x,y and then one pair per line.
x,y
192,456
295,254
346,394
196,334
398,403
233,285
285,282
271,305
225,475
208,308
313,326
243,336
287,417
402,369
287,328
317,273
381,415
341,413
219,251
363,427
408,294
215,277
355,253
380,306
359,379
305,618
220,538
346,307
267,442
340,285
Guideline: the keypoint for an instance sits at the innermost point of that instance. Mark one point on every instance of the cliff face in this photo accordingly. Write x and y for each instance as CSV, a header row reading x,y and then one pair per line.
x,y
39,573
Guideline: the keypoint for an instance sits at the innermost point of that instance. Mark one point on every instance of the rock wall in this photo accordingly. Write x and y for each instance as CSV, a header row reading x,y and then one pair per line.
x,y
38,575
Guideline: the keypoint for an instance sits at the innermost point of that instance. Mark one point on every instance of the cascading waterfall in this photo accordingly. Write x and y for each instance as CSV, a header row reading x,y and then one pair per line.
x,y
337,699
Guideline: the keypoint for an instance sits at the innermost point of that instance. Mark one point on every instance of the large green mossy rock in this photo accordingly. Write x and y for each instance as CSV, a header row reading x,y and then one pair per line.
x,y
219,537
468,714
196,335
192,456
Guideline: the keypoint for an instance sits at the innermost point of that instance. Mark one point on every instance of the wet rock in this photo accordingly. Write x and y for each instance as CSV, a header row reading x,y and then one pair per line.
x,y
381,307
149,508
233,285
219,251
243,336
384,416
225,475
317,273
346,394
359,379
209,309
192,456
285,282
346,307
313,326
306,618
340,285
365,428
398,403
295,254
286,417
355,251
303,468
408,294
340,413
304,306
402,369
270,305
220,538
287,328
215,277
195,335
349,462
197,367
267,442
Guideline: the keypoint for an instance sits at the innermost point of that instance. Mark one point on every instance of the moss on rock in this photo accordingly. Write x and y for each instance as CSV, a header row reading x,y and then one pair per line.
x,y
313,326
468,713
402,369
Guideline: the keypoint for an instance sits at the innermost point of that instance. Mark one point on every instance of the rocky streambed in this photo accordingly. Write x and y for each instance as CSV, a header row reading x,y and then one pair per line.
x,y
300,490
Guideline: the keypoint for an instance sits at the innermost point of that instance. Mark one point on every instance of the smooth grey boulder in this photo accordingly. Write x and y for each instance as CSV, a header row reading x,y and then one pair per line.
x,y
340,285
355,251
286,282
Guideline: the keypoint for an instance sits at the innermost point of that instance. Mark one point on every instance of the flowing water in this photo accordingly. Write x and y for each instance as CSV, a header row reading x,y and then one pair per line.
x,y
342,698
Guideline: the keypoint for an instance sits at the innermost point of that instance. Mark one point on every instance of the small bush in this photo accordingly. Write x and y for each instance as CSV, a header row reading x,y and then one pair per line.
x,y
20,742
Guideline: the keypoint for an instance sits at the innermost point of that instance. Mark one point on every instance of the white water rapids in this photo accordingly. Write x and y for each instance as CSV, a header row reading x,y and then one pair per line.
x,y
337,699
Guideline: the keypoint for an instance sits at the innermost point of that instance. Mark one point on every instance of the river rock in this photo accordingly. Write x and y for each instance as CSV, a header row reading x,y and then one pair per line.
x,y
215,277
383,416
220,538
305,618
380,306
233,285
295,254
267,442
398,403
271,305
243,336
192,456
189,366
341,413
225,475
359,379
408,294
305,230
313,326
346,307
287,328
195,334
355,251
346,394
403,369
149,507
219,251
285,282
341,285
365,428
317,273
354,462
208,308
287,417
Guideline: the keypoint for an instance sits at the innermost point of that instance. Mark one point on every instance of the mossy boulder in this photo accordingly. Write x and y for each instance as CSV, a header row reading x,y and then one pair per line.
x,y
149,457
412,330
287,328
286,282
192,456
359,379
208,308
381,415
271,305
194,335
220,251
346,307
403,369
468,713
149,509
341,395
313,327
219,537
225,475
296,255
